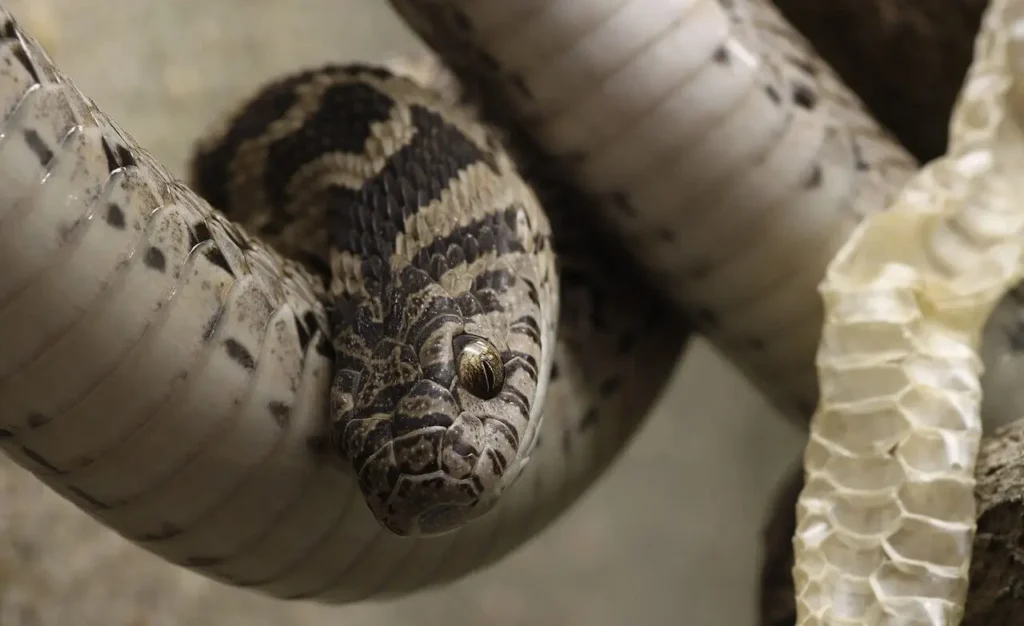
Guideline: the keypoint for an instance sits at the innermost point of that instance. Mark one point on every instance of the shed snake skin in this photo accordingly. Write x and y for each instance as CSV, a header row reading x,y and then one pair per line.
x,y
200,472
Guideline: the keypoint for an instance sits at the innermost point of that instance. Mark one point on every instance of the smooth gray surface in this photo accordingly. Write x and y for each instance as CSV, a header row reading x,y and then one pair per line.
x,y
669,537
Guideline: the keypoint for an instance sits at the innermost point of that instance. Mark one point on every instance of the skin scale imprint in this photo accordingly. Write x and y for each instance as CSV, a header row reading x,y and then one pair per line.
x,y
433,322
887,514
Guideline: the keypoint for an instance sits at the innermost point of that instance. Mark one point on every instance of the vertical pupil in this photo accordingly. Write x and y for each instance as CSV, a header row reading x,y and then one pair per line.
x,y
488,374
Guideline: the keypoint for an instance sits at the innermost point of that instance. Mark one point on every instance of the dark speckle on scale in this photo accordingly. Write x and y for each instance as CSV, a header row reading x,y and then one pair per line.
x,y
804,96
38,147
115,216
155,259
240,354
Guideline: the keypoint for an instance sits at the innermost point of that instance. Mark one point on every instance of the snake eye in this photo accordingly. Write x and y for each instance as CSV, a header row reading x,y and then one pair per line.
x,y
479,366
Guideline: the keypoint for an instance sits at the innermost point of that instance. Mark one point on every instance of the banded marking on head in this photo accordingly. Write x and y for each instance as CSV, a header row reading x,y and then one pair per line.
x,y
442,283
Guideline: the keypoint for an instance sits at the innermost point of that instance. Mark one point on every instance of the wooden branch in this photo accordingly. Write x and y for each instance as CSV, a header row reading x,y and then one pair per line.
x,y
997,568
906,59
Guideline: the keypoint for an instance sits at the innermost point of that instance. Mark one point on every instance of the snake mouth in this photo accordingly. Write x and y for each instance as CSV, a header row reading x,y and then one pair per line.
x,y
435,482
427,505
430,456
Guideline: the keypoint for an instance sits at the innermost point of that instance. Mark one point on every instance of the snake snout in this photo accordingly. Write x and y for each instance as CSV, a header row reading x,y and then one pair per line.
x,y
463,471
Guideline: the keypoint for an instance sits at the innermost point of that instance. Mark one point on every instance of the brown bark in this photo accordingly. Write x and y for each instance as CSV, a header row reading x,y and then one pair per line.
x,y
905,58
996,594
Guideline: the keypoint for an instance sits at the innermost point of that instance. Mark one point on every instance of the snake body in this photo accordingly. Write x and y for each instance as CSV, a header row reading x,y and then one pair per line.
x,y
728,160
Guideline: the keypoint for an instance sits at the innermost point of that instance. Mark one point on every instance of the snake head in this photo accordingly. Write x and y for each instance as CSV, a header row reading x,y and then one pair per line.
x,y
441,370
443,292
438,420
444,298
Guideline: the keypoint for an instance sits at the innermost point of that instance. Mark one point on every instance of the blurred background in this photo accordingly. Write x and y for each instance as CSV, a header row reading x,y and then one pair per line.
x,y
670,536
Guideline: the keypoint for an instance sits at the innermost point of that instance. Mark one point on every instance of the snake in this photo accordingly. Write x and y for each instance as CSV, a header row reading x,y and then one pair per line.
x,y
396,367
215,462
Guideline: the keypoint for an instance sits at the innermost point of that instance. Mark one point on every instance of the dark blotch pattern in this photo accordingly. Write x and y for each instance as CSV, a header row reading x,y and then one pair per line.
x,y
10,31
215,256
115,216
38,147
367,221
804,96
304,329
240,354
325,132
155,259
118,156
325,349
210,170
491,234
111,156
125,156
199,233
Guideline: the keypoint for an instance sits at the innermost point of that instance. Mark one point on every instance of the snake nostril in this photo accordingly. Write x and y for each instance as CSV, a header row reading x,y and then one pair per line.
x,y
426,505
462,446
458,459
463,449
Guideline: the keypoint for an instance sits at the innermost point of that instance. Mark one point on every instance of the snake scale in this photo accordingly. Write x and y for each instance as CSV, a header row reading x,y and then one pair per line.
x,y
713,144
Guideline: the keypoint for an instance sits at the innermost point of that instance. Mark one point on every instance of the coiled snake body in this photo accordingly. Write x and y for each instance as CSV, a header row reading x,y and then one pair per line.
x,y
413,267
226,347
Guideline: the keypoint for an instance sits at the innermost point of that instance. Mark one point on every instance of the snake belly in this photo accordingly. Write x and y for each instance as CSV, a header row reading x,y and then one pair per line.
x,y
166,371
